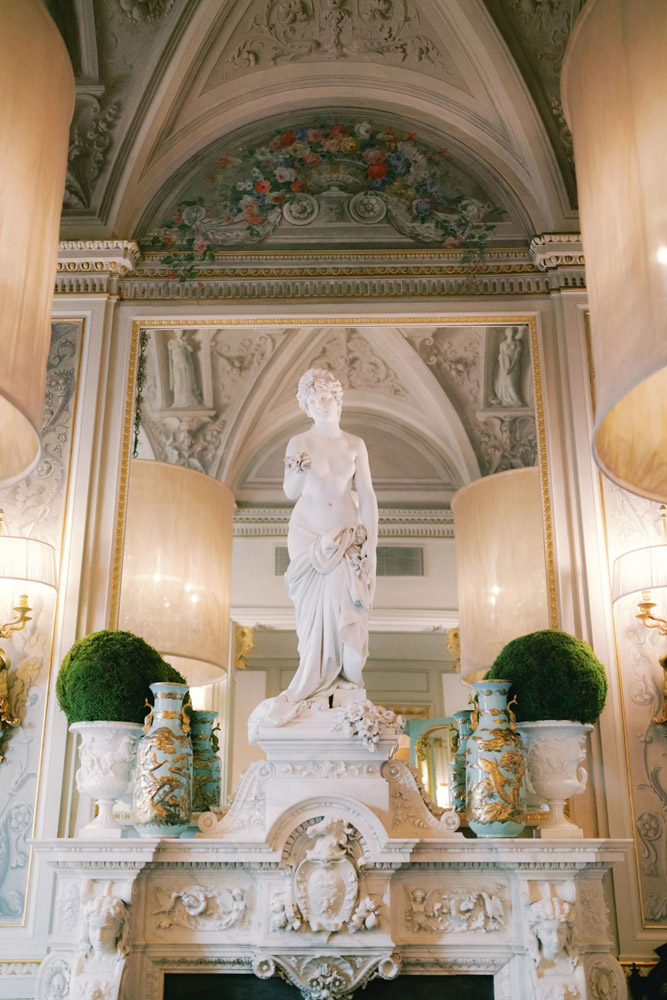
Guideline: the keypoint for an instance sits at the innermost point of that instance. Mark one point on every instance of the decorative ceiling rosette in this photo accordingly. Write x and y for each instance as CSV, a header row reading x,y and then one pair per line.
x,y
328,170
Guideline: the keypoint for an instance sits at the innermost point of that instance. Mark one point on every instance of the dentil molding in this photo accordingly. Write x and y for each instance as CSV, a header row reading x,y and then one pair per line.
x,y
119,267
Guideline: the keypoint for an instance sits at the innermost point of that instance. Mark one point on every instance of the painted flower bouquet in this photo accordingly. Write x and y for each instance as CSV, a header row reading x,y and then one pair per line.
x,y
250,194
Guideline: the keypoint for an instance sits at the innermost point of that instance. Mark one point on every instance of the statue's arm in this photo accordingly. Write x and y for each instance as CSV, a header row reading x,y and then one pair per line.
x,y
297,463
368,505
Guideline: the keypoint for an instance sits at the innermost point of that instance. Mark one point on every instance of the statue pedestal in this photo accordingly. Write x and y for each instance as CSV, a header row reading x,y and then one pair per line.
x,y
315,755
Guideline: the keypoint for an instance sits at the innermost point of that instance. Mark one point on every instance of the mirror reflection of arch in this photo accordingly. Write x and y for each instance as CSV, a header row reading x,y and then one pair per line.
x,y
421,392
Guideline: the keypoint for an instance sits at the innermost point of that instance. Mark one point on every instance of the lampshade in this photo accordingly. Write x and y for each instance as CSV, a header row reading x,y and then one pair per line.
x,y
177,566
37,88
500,564
640,569
615,98
28,561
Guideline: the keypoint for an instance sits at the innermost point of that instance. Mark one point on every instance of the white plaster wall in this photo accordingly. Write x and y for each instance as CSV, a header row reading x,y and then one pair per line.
x,y
254,583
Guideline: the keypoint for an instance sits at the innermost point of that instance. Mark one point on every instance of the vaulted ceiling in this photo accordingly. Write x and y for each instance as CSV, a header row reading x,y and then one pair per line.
x,y
166,89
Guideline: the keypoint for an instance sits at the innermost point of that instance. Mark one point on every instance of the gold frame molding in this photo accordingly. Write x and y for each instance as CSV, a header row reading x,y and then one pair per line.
x,y
529,320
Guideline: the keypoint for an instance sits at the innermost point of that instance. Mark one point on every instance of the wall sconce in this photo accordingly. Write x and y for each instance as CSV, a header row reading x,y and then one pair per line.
x,y
25,561
500,565
244,643
643,571
177,567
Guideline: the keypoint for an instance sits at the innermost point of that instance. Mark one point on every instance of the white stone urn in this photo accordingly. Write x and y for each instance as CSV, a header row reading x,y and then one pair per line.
x,y
554,751
107,755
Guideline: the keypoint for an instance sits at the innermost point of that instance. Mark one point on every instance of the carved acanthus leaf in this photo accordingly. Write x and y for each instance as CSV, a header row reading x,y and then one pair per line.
x,y
356,365
315,30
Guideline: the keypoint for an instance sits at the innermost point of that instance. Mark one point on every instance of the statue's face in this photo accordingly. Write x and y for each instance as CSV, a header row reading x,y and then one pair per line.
x,y
322,404
552,935
103,933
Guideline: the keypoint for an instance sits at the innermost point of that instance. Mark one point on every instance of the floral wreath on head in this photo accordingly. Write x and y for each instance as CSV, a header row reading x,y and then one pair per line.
x,y
318,378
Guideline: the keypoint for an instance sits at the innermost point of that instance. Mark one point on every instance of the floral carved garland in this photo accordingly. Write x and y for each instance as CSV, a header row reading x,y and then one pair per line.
x,y
391,170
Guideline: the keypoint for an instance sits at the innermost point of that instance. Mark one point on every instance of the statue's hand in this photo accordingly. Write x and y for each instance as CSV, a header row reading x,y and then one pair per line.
x,y
298,463
369,559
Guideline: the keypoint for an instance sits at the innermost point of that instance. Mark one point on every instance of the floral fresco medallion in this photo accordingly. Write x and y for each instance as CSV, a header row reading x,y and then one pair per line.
x,y
331,170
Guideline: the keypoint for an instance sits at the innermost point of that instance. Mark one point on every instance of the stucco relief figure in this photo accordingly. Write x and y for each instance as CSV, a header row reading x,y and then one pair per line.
x,y
182,378
332,541
507,374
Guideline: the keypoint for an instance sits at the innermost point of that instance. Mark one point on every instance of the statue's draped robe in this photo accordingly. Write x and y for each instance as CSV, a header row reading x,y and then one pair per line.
x,y
329,583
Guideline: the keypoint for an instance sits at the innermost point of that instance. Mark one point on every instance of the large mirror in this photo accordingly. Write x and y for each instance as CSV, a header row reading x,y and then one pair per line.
x,y
439,403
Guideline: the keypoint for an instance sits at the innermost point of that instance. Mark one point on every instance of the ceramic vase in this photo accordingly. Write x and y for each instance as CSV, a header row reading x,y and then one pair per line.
x,y
495,766
457,767
107,753
554,751
162,801
206,768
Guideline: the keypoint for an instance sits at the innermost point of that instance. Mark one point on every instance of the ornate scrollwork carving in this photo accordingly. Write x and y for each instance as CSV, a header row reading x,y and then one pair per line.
x,y
199,908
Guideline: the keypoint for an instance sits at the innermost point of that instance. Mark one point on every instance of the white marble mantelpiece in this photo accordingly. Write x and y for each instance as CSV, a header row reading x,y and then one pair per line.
x,y
448,906
331,866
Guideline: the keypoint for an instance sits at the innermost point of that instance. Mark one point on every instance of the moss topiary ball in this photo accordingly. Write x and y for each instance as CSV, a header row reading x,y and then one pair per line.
x,y
554,676
106,676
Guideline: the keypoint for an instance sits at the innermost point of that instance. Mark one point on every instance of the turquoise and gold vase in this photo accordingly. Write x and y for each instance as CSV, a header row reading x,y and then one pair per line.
x,y
495,766
457,767
162,801
206,763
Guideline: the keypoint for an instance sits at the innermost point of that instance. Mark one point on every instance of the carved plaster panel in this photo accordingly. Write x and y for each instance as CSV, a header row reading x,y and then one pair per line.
x,y
288,31
35,507
466,362
634,522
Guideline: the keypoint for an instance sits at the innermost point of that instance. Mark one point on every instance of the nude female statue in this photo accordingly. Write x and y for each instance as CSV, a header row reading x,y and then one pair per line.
x,y
332,541
506,384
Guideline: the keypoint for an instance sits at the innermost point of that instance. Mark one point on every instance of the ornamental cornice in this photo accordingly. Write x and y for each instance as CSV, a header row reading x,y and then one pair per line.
x,y
255,522
557,251
92,266
118,267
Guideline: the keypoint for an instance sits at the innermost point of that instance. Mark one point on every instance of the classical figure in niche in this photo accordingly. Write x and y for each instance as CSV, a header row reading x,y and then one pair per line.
x,y
507,374
332,541
182,379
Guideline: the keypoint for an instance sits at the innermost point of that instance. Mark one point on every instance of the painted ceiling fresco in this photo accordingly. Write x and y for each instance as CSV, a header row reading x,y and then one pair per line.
x,y
326,170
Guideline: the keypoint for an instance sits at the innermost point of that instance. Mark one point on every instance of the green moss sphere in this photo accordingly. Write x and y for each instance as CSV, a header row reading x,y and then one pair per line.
x,y
554,676
106,676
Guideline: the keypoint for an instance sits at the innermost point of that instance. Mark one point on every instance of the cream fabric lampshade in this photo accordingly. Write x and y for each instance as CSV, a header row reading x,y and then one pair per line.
x,y
500,564
639,570
615,97
177,566
36,105
27,561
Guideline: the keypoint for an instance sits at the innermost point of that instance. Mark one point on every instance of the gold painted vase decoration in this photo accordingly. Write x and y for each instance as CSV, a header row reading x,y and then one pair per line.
x,y
457,766
206,763
162,802
495,766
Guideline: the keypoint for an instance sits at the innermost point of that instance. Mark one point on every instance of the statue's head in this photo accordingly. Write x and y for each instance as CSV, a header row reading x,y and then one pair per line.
x,y
551,922
317,383
105,925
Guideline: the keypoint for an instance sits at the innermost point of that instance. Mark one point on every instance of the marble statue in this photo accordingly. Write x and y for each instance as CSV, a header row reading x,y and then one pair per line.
x,y
332,541
507,375
182,379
